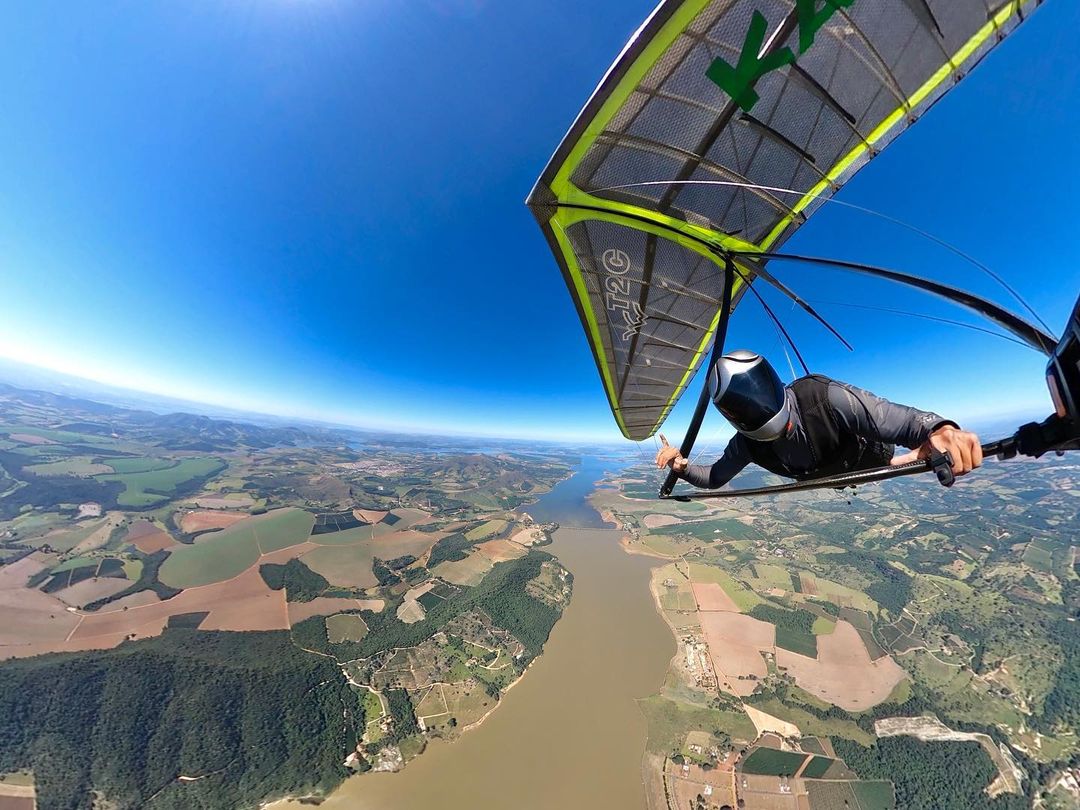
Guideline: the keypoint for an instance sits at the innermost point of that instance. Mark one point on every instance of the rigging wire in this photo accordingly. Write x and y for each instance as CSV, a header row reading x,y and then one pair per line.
x,y
886,217
924,316
772,316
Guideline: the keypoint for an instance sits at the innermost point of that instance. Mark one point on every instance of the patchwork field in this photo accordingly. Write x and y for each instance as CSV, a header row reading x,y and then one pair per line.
x,y
469,571
466,705
90,590
147,537
242,603
29,615
350,564
222,555
742,596
711,596
843,673
151,487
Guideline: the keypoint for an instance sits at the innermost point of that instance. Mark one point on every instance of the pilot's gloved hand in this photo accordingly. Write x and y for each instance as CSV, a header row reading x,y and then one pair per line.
x,y
963,447
668,456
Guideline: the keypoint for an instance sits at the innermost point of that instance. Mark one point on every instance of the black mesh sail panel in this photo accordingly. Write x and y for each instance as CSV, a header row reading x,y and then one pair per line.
x,y
724,125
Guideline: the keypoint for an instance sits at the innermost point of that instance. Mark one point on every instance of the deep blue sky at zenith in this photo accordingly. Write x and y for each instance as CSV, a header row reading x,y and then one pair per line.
x,y
314,207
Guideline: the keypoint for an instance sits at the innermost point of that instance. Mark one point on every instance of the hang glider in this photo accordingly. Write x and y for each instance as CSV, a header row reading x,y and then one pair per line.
x,y
673,187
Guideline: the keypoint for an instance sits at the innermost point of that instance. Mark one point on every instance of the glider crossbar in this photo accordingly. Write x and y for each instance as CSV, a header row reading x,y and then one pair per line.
x,y
843,481
1053,435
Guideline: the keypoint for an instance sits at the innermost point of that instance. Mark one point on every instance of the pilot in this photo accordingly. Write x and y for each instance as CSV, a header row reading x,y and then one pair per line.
x,y
814,427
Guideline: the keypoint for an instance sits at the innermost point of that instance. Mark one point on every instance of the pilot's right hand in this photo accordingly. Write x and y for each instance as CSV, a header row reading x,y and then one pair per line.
x,y
668,456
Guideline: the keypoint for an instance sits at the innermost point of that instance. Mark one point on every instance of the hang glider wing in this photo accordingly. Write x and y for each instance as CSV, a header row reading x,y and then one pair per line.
x,y
712,109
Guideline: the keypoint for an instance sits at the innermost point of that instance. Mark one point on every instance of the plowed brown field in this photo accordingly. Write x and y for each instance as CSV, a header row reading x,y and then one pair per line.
x,y
501,550
735,641
711,596
147,537
843,672
201,521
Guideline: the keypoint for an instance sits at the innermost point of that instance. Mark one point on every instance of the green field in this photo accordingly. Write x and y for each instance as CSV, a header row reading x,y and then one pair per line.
x,y
80,466
793,628
813,724
715,529
770,762
812,745
345,627
847,795
485,530
373,707
1039,558
138,465
76,562
666,546
796,641
874,795
823,626
670,721
143,489
773,576
817,767
222,555
745,598
60,436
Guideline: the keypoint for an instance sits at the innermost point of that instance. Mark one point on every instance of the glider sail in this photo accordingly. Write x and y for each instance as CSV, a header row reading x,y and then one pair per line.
x,y
714,113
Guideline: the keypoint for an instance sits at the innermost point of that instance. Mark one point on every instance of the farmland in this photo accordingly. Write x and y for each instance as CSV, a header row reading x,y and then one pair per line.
x,y
812,615
225,554
344,627
221,540
155,486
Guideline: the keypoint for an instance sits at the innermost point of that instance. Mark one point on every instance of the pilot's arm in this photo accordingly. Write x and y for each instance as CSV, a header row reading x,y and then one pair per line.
x,y
871,416
706,476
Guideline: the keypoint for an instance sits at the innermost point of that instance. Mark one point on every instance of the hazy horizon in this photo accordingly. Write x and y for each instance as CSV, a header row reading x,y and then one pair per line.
x,y
285,210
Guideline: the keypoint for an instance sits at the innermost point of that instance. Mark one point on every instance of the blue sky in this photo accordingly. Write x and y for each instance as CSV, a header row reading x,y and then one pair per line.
x,y
314,208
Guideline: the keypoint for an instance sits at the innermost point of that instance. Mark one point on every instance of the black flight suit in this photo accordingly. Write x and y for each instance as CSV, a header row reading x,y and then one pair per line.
x,y
833,428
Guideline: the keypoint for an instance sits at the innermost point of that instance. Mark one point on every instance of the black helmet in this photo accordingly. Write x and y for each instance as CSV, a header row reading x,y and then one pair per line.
x,y
746,389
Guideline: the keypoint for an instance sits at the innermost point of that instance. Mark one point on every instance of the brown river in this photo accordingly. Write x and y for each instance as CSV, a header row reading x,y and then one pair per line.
x,y
569,734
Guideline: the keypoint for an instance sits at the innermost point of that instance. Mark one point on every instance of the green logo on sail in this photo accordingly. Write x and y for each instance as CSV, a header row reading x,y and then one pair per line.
x,y
738,81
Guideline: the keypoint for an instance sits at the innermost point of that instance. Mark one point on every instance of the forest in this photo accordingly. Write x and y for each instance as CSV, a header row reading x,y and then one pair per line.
x,y
248,713
301,584
929,776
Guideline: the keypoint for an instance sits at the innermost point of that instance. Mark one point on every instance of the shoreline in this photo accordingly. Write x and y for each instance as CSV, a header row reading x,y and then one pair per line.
x,y
630,548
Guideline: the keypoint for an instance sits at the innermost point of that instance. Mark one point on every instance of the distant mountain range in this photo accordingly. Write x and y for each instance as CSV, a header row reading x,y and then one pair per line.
x,y
173,431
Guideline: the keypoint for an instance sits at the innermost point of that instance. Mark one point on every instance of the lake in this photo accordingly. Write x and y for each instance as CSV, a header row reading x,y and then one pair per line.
x,y
569,734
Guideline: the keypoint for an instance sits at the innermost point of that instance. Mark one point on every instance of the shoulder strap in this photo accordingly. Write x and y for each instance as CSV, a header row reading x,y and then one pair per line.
x,y
818,417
